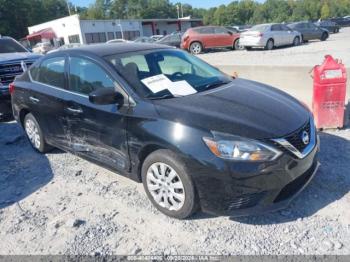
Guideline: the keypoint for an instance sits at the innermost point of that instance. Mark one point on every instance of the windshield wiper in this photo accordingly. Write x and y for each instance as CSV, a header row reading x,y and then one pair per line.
x,y
215,84
160,97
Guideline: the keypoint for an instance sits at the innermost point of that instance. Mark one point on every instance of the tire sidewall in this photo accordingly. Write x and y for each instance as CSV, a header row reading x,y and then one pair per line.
x,y
42,148
168,157
200,45
268,46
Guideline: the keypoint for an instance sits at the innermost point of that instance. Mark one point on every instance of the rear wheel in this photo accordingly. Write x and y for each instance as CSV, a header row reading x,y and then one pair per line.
x,y
324,37
35,134
269,44
168,185
196,48
296,41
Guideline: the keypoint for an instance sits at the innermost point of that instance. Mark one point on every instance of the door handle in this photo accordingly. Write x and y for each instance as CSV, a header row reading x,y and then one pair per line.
x,y
34,100
75,110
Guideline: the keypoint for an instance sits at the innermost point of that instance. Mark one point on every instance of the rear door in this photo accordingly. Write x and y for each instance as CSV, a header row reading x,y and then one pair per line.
x,y
223,37
207,36
47,97
289,35
97,132
278,34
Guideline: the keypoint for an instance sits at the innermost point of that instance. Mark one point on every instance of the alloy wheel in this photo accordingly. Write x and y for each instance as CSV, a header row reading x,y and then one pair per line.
x,y
165,186
32,132
196,48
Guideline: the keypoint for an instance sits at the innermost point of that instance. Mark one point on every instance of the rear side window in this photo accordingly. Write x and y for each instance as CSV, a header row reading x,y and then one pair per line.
x,y
85,76
51,72
206,30
276,28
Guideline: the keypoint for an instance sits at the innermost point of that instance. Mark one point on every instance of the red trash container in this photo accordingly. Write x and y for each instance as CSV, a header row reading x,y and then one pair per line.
x,y
328,103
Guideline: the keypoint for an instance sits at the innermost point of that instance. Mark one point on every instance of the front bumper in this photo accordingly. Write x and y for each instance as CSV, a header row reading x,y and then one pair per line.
x,y
240,189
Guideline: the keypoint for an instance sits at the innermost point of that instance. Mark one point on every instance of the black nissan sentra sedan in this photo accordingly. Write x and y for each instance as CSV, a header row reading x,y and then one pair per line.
x,y
195,137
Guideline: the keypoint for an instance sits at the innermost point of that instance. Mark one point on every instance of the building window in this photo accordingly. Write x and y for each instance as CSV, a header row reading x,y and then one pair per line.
x,y
74,39
95,38
118,35
110,35
131,35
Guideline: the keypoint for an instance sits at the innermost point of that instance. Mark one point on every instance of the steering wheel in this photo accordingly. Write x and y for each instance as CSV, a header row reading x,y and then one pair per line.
x,y
177,74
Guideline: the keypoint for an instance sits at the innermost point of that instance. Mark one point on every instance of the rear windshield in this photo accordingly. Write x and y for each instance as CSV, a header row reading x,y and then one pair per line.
x,y
260,28
10,46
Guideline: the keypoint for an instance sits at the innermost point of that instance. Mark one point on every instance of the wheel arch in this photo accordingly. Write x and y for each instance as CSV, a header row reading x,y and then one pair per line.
x,y
22,115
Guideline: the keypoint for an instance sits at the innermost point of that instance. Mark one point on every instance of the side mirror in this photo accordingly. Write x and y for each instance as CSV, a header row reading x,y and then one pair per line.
x,y
229,32
106,96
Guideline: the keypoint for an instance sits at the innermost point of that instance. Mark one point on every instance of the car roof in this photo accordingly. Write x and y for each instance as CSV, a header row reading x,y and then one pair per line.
x,y
107,49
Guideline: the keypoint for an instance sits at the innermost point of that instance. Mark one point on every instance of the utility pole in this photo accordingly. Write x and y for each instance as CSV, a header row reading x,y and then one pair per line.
x,y
178,11
68,8
182,11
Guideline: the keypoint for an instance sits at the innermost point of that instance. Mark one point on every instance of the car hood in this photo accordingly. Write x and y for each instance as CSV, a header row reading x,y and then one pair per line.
x,y
243,108
8,57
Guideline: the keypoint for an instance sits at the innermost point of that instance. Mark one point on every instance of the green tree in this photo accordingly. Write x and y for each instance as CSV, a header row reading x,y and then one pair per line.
x,y
325,12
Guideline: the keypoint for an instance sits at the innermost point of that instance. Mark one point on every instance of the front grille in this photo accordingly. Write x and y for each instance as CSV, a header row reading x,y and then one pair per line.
x,y
245,201
293,187
295,139
9,71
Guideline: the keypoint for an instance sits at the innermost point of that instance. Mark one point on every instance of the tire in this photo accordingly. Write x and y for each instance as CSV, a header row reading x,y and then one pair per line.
x,y
180,202
269,44
34,134
296,41
324,37
196,48
236,45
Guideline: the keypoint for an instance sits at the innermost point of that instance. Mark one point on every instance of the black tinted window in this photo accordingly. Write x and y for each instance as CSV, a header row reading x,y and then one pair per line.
x,y
10,46
51,72
86,76
220,31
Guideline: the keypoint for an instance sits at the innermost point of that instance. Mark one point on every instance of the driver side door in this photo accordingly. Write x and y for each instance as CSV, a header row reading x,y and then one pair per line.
x,y
97,132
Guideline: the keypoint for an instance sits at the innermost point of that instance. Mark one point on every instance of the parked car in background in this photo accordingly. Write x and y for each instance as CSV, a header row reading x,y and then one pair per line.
x,y
42,47
269,36
144,39
63,47
341,21
332,27
198,39
14,59
309,31
171,40
118,40
195,137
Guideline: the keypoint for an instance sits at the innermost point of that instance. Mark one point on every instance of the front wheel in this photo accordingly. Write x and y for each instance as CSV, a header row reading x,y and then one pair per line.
x,y
324,37
35,134
168,185
236,45
196,48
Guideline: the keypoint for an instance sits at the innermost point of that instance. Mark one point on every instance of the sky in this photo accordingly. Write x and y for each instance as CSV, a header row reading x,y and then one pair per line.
x,y
194,3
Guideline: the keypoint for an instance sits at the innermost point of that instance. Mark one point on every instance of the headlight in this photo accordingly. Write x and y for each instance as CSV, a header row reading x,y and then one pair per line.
x,y
238,148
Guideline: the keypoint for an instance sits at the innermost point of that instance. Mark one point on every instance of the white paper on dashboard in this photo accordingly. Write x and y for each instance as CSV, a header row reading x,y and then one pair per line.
x,y
181,88
157,83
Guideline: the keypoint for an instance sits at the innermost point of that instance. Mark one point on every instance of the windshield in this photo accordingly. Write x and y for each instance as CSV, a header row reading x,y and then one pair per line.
x,y
177,72
10,46
260,28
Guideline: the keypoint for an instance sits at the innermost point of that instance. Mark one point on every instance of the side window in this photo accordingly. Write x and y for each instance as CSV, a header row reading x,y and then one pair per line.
x,y
285,28
34,72
220,31
173,64
276,28
85,76
51,72
206,30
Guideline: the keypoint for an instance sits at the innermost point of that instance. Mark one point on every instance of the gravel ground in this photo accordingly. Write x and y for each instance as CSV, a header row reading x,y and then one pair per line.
x,y
60,204
309,54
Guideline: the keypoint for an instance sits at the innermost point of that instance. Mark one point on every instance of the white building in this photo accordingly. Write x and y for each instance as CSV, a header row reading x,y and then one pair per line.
x,y
72,29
